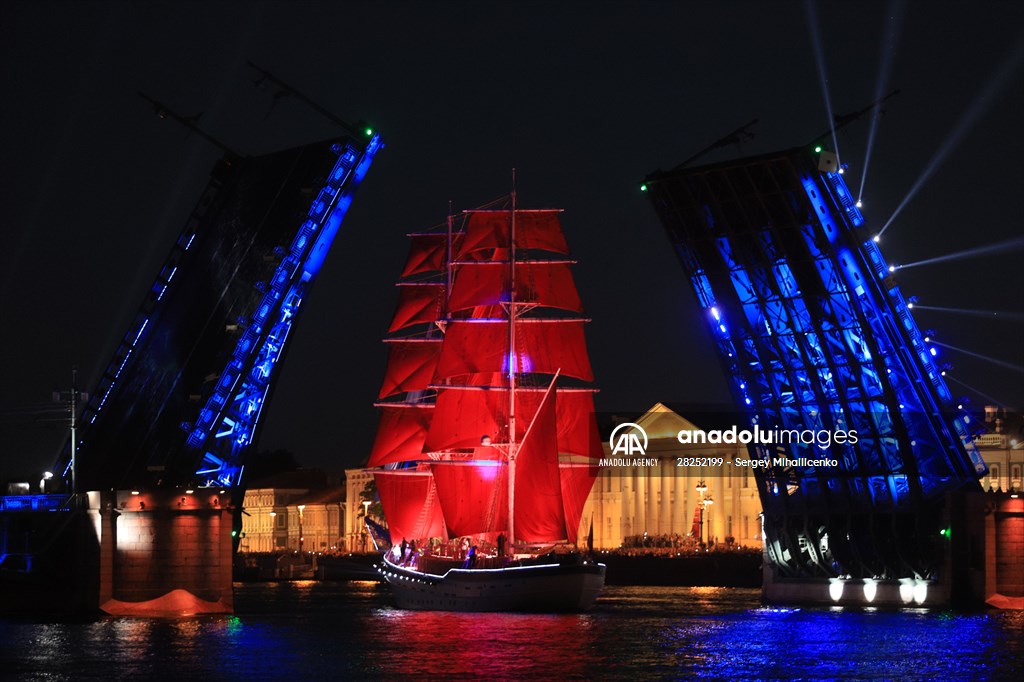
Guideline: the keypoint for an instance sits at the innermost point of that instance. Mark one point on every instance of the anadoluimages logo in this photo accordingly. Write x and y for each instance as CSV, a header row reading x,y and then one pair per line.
x,y
625,440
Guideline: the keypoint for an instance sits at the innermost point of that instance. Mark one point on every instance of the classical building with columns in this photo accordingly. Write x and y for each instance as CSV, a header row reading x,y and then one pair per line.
x,y
671,498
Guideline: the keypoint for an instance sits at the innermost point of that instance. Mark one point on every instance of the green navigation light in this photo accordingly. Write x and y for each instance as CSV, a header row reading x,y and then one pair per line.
x,y
643,188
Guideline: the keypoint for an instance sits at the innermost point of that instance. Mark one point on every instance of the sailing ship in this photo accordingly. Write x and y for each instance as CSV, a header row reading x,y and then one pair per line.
x,y
487,447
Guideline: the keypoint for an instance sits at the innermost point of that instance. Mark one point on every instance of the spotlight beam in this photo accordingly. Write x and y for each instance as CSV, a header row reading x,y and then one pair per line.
x,y
1007,246
972,389
896,10
978,106
819,53
994,361
989,314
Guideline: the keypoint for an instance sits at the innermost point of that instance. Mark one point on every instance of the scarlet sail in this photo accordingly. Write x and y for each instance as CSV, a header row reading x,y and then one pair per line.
x,y
474,496
418,303
487,283
492,230
465,414
488,315
400,434
426,254
539,514
577,482
543,346
410,503
411,365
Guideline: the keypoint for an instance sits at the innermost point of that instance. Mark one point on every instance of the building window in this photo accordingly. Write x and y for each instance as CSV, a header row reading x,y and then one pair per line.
x,y
1015,476
993,476
282,521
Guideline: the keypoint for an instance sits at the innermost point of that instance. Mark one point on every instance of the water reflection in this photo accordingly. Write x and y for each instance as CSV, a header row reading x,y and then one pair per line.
x,y
351,630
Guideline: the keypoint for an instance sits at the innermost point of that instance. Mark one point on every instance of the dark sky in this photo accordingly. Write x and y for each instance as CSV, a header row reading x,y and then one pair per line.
x,y
583,99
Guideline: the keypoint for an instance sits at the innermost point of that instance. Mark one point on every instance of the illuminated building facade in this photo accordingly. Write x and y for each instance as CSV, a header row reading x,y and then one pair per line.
x,y
813,333
282,518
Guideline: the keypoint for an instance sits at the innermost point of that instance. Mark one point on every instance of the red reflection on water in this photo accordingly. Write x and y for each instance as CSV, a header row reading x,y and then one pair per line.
x,y
440,644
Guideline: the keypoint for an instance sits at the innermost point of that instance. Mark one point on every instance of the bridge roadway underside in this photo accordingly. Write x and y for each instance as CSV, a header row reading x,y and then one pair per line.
x,y
982,562
161,552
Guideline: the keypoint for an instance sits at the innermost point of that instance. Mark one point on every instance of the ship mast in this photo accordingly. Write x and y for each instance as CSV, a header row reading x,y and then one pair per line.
x,y
448,258
512,448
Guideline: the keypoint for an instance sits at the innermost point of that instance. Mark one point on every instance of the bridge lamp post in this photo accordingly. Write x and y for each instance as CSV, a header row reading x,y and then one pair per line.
x,y
301,508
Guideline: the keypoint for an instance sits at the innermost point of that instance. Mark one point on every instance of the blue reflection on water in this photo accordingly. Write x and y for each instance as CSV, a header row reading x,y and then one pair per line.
x,y
351,631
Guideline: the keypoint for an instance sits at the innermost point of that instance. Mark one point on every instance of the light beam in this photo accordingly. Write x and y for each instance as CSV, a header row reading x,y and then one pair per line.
x,y
987,358
819,53
974,312
1007,246
896,9
979,105
972,389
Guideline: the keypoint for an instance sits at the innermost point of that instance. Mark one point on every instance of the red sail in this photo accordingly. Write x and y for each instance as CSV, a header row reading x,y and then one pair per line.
x,y
410,505
534,230
577,482
473,495
547,346
411,364
487,283
417,304
577,423
464,415
426,254
400,434
539,515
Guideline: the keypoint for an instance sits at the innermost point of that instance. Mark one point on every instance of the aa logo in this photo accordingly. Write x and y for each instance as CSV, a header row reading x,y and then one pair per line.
x,y
628,439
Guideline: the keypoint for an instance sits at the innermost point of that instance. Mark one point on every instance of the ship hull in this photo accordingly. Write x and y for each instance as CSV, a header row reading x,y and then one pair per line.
x,y
548,588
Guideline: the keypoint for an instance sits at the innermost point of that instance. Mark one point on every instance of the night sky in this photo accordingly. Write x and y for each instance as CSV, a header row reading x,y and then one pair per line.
x,y
582,100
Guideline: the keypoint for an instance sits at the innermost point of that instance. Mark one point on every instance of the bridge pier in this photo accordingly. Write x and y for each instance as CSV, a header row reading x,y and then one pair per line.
x,y
159,552
164,552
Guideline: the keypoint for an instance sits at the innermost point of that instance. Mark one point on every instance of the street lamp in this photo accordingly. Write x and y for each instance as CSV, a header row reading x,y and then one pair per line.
x,y
704,505
273,529
301,508
366,515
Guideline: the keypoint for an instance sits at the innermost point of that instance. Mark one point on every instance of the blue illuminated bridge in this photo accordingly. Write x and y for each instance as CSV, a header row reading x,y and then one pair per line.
x,y
813,334
180,401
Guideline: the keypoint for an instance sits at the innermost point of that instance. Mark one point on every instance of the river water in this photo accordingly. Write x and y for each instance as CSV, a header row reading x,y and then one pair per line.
x,y
342,631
